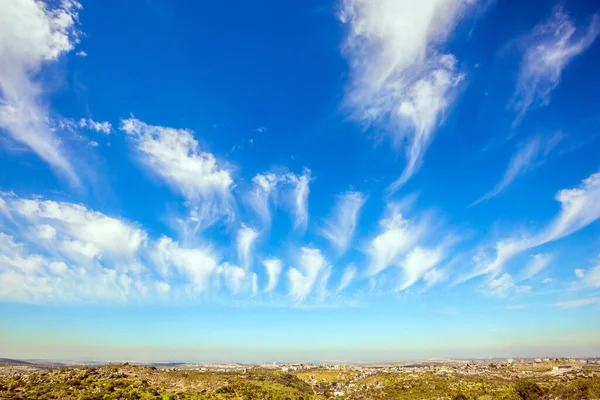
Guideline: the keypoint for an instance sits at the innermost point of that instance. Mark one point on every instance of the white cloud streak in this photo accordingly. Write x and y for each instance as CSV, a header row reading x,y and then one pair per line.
x,y
259,198
400,76
525,159
312,266
590,278
580,207
246,237
300,198
347,277
175,156
339,229
550,47
235,277
578,303
417,263
503,285
294,189
397,236
538,263
273,267
85,123
33,34
197,265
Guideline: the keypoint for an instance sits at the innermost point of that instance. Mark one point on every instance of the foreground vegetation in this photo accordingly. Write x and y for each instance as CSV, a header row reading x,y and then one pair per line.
x,y
125,381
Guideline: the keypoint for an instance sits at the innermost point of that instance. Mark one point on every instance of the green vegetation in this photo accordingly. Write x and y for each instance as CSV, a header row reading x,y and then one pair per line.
x,y
125,381
527,390
128,382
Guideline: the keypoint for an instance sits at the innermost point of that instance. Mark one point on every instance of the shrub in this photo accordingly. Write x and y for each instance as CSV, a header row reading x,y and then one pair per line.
x,y
528,390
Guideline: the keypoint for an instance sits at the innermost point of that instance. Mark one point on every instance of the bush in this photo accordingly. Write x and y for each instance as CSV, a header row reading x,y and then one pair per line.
x,y
528,390
460,396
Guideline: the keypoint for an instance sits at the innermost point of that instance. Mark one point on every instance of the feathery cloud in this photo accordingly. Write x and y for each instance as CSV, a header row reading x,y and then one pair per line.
x,y
500,286
235,277
400,75
175,156
528,156
312,266
85,123
347,277
245,241
259,198
294,191
197,265
417,263
536,265
590,278
273,267
33,34
300,198
398,235
578,303
551,46
580,207
593,277
339,229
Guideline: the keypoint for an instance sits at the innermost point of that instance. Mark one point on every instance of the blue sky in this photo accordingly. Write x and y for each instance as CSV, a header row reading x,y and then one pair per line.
x,y
348,180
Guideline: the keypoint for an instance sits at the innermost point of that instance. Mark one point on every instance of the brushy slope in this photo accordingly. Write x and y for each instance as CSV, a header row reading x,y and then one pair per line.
x,y
124,381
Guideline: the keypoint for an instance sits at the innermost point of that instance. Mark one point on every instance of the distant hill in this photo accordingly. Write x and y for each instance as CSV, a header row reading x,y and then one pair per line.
x,y
9,362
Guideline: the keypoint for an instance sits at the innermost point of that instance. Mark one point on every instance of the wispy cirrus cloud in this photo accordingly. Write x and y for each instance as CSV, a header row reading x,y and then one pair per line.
x,y
260,197
538,263
501,285
196,265
85,123
339,228
273,268
580,206
589,278
175,156
409,245
528,156
418,262
400,76
397,236
246,237
289,188
578,303
347,277
236,278
549,48
312,269
34,34
300,198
